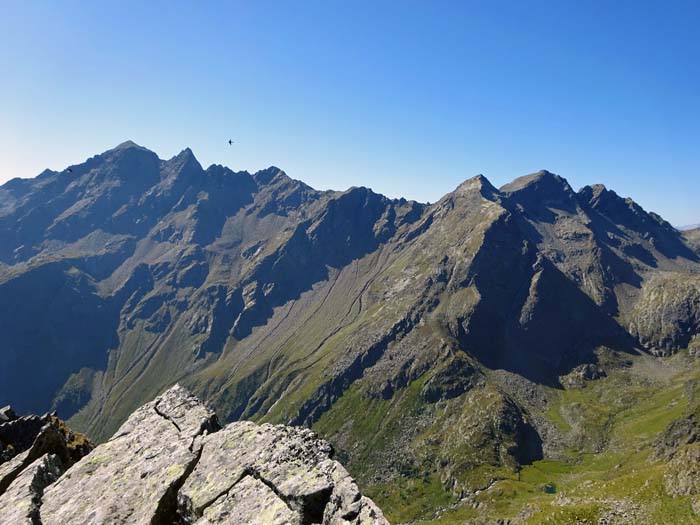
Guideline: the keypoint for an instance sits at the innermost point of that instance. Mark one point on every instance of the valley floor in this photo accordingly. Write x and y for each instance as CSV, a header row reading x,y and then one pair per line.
x,y
606,469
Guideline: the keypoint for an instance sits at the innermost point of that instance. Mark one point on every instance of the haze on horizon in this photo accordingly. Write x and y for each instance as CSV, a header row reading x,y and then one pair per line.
x,y
408,102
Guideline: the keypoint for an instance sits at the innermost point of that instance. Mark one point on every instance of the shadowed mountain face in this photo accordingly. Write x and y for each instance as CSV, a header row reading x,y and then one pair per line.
x,y
276,302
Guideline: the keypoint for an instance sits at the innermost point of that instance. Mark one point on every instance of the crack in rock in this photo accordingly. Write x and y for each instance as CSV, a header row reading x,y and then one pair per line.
x,y
200,510
310,508
168,511
39,475
165,416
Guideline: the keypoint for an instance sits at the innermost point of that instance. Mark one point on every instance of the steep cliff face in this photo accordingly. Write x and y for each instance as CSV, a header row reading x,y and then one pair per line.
x,y
692,237
170,463
339,310
667,316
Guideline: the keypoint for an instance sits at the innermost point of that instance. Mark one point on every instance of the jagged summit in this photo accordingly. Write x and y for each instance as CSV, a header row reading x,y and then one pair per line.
x,y
185,160
598,195
125,152
622,210
265,176
540,192
185,154
128,144
541,180
543,185
592,191
477,183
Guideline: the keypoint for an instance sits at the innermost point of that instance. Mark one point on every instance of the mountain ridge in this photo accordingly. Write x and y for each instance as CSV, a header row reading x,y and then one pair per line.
x,y
535,193
276,302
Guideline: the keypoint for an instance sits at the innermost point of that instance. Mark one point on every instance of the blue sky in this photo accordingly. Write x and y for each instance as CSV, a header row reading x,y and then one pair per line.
x,y
406,97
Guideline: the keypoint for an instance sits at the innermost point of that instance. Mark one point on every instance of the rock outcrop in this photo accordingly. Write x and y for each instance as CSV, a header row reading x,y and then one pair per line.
x,y
667,315
693,239
34,452
275,474
21,503
682,476
171,463
678,433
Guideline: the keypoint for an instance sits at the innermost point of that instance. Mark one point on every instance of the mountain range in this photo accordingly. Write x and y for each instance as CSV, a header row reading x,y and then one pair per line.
x,y
439,347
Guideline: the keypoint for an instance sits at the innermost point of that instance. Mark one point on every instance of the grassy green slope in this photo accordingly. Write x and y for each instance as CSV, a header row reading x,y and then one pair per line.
x,y
605,466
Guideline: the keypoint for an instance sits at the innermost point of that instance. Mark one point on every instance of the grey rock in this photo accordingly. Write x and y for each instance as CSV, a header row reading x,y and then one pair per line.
x,y
676,435
7,414
134,477
249,502
347,504
21,503
18,434
278,455
9,470
682,476
293,463
49,440
667,315
581,374
183,410
170,463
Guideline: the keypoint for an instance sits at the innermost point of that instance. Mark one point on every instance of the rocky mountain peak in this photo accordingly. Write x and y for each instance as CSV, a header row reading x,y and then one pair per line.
x,y
478,183
264,177
132,167
128,144
540,189
624,211
184,161
128,158
540,180
34,452
596,195
592,193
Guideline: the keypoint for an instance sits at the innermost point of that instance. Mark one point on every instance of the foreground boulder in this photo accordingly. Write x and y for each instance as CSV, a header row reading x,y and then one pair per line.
x,y
171,463
134,477
274,475
22,501
34,452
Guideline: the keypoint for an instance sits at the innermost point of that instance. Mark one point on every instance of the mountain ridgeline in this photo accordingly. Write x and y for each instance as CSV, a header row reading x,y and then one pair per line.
x,y
416,338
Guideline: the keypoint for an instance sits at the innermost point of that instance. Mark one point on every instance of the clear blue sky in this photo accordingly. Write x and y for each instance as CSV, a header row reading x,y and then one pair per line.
x,y
406,97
